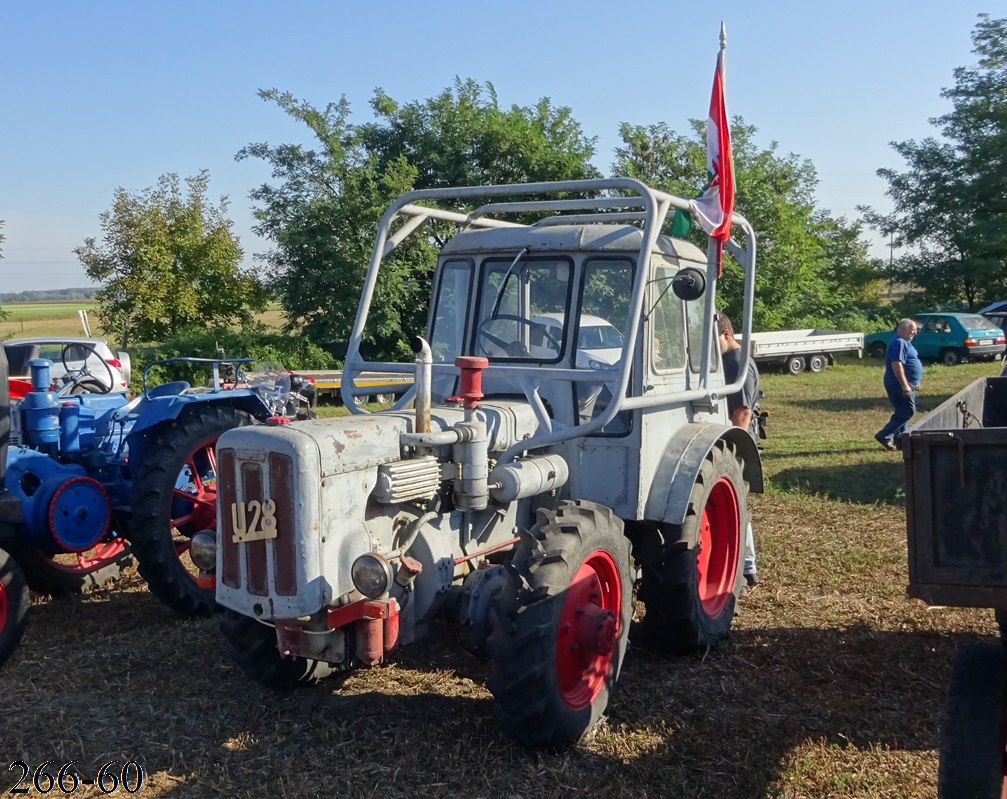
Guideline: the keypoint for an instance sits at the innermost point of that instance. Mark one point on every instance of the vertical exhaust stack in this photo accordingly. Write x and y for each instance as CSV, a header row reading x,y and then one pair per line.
x,y
424,359
472,490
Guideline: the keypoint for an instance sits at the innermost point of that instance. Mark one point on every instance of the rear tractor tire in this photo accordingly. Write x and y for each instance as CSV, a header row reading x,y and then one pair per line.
x,y
14,603
561,626
253,648
692,577
175,496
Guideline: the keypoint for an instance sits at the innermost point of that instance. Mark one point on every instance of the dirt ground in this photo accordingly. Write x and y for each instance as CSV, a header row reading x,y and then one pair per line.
x,y
831,685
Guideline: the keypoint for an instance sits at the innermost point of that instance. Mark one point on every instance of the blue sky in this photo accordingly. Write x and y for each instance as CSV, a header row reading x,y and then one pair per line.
x,y
102,94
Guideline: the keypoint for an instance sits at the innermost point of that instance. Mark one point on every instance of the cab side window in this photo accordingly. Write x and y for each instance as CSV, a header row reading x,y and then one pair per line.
x,y
667,323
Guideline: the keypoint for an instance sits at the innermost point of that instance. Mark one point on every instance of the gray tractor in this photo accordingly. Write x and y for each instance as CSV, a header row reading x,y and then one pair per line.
x,y
568,444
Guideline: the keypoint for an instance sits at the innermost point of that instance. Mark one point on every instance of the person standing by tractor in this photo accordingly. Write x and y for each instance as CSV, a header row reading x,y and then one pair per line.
x,y
903,373
742,407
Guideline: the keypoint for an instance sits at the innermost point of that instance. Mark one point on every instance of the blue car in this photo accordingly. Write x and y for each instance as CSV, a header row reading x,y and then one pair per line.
x,y
950,338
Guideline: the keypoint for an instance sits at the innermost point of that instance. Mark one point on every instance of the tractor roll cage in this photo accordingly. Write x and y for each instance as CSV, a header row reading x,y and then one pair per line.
x,y
655,206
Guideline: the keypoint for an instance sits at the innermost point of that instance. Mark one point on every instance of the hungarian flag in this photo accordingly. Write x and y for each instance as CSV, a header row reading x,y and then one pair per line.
x,y
716,204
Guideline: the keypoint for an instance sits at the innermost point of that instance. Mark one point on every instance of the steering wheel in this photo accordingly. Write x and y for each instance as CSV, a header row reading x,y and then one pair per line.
x,y
82,380
513,349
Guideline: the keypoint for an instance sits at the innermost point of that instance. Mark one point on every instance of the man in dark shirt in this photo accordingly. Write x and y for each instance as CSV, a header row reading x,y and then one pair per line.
x,y
742,408
903,373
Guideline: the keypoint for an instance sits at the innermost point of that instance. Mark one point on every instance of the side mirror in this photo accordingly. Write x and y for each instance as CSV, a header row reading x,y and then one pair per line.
x,y
689,284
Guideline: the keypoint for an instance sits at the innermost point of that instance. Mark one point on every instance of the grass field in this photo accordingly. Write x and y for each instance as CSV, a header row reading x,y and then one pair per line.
x,y
61,319
830,686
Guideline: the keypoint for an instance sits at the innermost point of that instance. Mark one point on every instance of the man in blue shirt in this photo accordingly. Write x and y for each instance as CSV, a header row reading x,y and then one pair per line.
x,y
903,373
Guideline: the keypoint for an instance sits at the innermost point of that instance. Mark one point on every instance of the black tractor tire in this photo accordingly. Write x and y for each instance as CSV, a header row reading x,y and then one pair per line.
x,y
14,603
951,357
679,620
159,546
795,365
972,734
252,646
49,577
560,626
817,363
878,349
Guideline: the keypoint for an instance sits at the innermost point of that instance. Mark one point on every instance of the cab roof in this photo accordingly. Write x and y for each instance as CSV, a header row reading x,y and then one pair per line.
x,y
570,238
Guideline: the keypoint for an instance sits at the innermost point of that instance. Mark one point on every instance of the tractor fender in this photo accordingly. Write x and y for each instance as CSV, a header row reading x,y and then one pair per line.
x,y
680,463
158,411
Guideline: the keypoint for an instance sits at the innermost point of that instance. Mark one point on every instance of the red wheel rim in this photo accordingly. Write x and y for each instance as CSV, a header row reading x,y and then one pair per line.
x,y
588,630
85,564
719,547
193,506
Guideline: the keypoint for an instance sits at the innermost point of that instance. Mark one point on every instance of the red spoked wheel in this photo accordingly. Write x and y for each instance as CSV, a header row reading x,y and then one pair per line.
x,y
692,573
561,625
174,497
75,572
588,630
719,547
13,605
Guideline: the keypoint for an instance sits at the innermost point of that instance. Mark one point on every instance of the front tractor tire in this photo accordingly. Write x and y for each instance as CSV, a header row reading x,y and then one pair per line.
x,y
14,603
175,496
692,578
253,648
561,626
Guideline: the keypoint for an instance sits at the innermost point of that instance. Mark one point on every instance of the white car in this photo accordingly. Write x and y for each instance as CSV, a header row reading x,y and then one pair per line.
x,y
599,343
102,366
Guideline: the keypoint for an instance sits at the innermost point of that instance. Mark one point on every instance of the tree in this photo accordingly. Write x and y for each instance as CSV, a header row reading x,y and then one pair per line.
x,y
950,205
324,212
167,261
811,267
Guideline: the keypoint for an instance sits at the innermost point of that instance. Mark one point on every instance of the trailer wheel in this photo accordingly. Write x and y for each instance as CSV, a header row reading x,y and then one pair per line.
x,y
795,364
561,626
14,603
175,496
692,579
817,363
972,734
253,649
384,399
73,573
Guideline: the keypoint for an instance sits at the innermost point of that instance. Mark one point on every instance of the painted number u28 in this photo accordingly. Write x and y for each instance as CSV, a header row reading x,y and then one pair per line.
x,y
253,520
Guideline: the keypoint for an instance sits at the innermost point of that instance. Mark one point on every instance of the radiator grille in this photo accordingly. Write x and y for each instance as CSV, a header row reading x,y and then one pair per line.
x,y
247,565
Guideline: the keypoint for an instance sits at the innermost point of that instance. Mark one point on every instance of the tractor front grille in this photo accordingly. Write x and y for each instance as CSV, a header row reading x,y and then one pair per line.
x,y
267,566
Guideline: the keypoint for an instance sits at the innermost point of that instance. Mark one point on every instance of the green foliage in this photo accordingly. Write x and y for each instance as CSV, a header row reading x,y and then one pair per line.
x,y
950,205
167,261
809,265
250,341
325,210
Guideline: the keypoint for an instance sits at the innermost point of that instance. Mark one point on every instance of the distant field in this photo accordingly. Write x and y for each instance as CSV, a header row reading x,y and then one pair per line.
x,y
60,319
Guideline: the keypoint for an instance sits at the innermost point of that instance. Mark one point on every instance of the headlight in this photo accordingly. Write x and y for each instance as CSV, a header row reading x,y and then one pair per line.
x,y
203,550
371,575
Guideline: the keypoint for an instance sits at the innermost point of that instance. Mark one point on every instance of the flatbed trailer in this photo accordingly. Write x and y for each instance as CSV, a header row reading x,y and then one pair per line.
x,y
798,350
379,386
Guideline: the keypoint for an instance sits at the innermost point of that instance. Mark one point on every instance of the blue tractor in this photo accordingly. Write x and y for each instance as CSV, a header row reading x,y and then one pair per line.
x,y
102,479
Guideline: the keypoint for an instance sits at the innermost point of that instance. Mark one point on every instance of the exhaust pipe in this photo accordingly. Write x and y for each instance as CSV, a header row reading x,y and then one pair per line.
x,y
424,359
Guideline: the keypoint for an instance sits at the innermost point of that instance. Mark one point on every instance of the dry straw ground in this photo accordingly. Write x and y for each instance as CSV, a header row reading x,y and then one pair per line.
x,y
831,684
